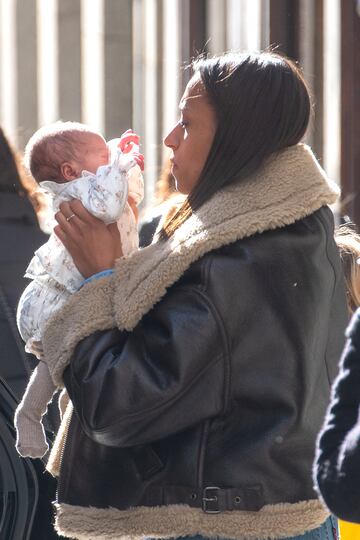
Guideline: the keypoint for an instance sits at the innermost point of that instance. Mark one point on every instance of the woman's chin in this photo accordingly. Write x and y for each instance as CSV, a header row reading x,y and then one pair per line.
x,y
180,185
181,188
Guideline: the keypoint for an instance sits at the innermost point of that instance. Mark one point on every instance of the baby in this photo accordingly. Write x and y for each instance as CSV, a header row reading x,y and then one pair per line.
x,y
69,161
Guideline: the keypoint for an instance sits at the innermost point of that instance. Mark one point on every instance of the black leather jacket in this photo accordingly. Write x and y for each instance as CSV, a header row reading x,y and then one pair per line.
x,y
223,384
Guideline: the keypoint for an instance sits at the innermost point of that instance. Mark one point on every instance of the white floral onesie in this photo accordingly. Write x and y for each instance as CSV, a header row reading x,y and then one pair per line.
x,y
52,270
55,277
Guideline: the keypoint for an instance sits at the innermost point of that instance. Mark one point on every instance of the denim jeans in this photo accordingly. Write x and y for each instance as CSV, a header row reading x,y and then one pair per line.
x,y
327,531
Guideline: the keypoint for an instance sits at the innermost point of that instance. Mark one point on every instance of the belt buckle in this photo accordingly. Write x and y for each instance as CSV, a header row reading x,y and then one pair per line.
x,y
210,499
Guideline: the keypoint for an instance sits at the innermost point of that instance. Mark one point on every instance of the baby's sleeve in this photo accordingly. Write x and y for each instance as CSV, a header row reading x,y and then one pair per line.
x,y
105,194
136,184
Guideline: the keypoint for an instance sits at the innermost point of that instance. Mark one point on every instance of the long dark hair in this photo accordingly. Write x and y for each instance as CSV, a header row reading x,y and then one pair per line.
x,y
9,176
262,104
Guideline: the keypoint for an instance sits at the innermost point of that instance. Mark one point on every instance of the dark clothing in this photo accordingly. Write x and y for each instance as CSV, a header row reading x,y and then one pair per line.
x,y
20,236
159,413
147,230
337,466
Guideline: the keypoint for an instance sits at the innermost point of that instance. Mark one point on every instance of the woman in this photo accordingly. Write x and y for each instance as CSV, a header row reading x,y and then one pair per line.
x,y
199,368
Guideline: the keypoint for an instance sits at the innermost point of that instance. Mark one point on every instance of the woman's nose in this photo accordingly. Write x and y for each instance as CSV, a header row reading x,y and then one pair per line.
x,y
171,140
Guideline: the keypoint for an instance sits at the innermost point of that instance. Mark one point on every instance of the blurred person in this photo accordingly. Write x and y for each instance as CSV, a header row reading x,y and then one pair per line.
x,y
337,465
338,450
20,236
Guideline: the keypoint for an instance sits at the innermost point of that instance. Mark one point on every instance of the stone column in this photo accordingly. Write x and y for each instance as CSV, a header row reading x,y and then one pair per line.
x,y
118,66
26,62
216,26
8,94
69,59
92,47
47,61
311,58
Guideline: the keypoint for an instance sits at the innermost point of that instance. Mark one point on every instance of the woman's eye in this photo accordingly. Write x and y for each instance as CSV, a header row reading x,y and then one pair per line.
x,y
182,124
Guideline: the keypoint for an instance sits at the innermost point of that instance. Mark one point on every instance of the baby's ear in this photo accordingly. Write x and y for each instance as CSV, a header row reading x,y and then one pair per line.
x,y
68,171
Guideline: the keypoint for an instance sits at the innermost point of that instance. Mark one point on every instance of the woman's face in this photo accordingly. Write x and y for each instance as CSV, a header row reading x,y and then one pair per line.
x,y
191,139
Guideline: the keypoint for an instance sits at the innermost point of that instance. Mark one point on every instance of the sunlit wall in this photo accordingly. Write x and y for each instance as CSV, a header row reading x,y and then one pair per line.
x,y
121,63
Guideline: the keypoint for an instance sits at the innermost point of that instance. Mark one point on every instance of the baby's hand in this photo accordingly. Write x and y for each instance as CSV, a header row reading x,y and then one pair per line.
x,y
129,141
139,158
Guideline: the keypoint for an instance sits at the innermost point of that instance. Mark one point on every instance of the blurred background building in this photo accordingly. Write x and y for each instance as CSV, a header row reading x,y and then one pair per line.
x,y
116,64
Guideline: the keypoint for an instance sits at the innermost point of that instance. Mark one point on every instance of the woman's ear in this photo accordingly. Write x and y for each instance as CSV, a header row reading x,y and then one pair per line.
x,y
68,171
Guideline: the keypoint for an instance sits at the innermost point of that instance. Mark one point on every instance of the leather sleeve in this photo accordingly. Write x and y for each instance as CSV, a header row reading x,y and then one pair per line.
x,y
337,467
168,374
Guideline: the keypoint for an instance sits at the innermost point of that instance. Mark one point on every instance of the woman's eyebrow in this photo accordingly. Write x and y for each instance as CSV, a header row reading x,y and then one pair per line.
x,y
186,104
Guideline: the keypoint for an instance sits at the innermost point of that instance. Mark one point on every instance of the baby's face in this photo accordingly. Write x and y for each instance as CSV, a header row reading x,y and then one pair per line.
x,y
94,152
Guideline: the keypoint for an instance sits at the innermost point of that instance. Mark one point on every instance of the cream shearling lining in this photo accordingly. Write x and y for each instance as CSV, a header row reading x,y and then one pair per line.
x,y
290,186
272,521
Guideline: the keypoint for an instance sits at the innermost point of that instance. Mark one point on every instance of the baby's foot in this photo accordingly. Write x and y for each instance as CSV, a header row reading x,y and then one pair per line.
x,y
30,437
32,451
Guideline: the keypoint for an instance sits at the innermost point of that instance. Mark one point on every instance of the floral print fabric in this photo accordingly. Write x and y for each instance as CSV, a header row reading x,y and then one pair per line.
x,y
52,270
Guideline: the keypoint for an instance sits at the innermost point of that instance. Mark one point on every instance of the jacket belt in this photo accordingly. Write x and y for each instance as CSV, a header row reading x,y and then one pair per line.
x,y
210,499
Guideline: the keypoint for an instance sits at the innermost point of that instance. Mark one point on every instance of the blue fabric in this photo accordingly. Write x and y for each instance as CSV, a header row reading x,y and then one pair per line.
x,y
101,274
328,531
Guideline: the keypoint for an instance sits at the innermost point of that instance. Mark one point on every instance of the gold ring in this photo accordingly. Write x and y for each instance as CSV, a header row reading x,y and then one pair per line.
x,y
70,217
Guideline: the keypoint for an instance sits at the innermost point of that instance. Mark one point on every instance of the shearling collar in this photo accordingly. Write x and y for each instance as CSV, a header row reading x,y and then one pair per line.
x,y
288,187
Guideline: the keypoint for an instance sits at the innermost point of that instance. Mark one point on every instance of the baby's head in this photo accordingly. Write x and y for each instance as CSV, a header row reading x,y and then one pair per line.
x,y
61,151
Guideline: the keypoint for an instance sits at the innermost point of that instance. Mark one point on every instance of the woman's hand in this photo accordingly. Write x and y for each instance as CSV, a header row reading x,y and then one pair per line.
x,y
93,245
